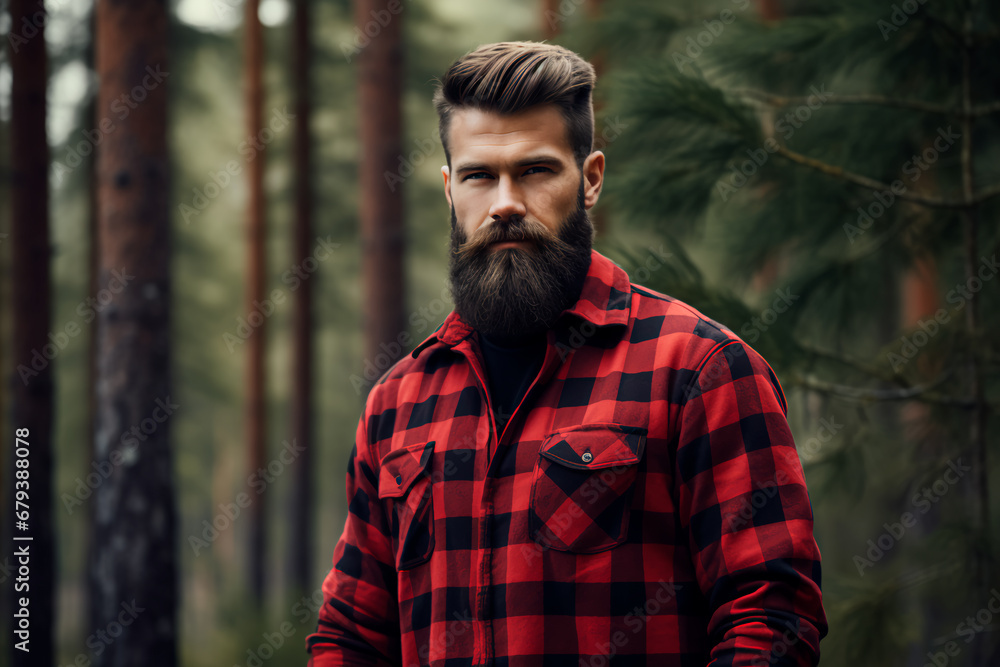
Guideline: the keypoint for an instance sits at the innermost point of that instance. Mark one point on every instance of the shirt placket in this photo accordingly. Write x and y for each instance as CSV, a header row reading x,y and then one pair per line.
x,y
482,627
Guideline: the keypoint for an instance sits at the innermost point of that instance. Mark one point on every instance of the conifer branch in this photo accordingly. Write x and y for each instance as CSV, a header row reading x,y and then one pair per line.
x,y
922,392
866,182
848,362
781,101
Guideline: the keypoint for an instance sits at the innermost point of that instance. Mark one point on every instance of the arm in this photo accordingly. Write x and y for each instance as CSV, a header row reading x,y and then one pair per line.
x,y
358,622
743,498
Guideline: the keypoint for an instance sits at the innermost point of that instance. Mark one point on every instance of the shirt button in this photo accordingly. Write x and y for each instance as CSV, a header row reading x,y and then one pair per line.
x,y
587,457
399,479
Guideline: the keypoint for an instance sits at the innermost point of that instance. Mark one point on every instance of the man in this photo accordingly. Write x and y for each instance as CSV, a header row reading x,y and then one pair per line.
x,y
572,469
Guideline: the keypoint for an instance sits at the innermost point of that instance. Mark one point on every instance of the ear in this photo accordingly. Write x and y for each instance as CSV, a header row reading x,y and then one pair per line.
x,y
593,178
446,172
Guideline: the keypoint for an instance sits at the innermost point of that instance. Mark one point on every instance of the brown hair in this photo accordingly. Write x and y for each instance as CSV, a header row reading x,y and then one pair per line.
x,y
508,77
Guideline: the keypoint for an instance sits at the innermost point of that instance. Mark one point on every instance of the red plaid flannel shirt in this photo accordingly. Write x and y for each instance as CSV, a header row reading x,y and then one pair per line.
x,y
645,504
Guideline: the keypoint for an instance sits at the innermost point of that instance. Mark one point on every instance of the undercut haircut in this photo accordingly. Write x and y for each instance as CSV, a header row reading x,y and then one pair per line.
x,y
508,77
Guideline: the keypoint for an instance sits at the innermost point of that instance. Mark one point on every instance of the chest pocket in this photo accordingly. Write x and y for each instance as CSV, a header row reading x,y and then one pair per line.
x,y
582,487
405,481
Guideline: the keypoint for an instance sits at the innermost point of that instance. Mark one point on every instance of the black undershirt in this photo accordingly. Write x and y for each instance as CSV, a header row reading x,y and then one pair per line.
x,y
511,367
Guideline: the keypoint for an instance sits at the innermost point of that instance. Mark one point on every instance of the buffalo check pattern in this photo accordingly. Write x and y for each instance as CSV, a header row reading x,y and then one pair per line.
x,y
644,505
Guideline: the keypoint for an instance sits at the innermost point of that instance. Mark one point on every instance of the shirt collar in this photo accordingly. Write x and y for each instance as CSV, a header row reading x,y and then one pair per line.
x,y
604,302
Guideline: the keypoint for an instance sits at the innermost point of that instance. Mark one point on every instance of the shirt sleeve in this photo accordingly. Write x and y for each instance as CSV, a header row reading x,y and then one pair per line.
x,y
743,499
359,621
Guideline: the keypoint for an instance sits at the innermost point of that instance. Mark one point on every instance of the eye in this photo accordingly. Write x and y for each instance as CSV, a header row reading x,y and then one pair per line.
x,y
476,176
541,170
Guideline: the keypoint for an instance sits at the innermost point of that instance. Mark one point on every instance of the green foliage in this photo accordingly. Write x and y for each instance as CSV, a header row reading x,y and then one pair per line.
x,y
207,126
750,155
690,126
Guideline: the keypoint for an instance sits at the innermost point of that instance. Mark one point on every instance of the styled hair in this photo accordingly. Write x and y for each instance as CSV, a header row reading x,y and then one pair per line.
x,y
508,77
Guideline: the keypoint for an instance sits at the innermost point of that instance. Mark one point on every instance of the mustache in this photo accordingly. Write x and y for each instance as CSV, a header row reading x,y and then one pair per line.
x,y
515,229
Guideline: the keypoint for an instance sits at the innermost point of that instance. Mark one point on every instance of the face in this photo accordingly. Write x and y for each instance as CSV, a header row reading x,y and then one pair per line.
x,y
520,233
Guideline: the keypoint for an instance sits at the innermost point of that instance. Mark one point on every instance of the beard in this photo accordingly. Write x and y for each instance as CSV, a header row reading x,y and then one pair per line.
x,y
515,293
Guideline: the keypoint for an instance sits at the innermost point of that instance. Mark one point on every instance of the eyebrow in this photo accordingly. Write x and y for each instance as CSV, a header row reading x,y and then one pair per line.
x,y
536,159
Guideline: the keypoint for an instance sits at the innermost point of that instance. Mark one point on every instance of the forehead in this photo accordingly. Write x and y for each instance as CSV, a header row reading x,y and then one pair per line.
x,y
476,134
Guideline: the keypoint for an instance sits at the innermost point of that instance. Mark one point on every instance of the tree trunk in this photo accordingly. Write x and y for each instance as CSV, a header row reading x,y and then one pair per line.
x,y
595,9
302,535
93,287
255,407
770,10
381,207
551,19
134,575
31,388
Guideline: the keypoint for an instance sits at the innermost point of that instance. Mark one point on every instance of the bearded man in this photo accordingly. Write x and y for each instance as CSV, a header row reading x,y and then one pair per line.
x,y
573,469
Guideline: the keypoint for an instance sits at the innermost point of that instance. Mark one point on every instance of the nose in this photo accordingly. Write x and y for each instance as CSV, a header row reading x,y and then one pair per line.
x,y
509,200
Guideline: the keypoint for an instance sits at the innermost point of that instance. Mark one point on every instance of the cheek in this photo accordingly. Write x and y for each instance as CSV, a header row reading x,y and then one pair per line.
x,y
557,202
469,215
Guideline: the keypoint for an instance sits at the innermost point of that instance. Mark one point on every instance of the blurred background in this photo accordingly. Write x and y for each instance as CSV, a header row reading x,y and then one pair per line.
x,y
223,219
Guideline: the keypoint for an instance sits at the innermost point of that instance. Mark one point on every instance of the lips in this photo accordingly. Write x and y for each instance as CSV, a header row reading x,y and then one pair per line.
x,y
518,231
509,242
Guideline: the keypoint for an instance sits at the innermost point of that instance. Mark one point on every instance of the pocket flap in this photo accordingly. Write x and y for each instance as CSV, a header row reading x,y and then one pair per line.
x,y
401,467
595,446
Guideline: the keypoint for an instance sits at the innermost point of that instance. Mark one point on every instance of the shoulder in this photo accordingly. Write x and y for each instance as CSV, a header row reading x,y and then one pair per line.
x,y
706,351
419,376
680,326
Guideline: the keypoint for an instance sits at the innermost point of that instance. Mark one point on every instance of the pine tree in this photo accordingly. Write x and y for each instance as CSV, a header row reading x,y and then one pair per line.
x,y
380,128
133,574
256,406
300,552
825,184
29,460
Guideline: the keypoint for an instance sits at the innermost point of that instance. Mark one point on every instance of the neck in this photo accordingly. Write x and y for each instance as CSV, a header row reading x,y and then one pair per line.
x,y
525,340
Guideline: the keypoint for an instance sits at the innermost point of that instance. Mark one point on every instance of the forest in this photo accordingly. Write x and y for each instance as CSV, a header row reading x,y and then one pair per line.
x,y
221,221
